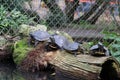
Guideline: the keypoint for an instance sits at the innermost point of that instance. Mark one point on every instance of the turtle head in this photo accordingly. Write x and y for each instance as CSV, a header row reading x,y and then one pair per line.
x,y
51,45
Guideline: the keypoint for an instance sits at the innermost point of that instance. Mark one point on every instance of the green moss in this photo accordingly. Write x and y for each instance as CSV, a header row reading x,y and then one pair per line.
x,y
21,49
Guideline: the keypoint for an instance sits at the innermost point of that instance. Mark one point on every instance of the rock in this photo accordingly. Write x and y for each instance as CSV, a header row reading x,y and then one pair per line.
x,y
62,34
41,27
26,29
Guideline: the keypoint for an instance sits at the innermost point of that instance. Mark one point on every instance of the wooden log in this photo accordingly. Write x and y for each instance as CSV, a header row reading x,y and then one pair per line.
x,y
85,67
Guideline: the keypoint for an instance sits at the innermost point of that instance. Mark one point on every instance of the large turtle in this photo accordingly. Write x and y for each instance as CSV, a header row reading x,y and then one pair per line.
x,y
39,36
99,50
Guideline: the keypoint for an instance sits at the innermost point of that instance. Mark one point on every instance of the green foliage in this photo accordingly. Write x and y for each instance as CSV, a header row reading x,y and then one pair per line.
x,y
11,4
114,46
10,21
21,49
56,20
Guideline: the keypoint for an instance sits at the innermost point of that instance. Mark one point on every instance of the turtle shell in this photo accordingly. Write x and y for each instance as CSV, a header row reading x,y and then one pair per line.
x,y
40,35
59,40
94,47
99,50
71,46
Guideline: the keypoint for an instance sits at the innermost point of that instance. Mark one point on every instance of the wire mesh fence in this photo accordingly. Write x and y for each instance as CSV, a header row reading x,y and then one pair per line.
x,y
82,19
65,14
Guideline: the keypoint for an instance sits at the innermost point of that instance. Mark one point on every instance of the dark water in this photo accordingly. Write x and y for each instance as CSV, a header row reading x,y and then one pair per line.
x,y
9,72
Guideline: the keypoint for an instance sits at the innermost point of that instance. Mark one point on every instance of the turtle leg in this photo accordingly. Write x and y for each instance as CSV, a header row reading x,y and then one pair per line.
x,y
75,54
36,43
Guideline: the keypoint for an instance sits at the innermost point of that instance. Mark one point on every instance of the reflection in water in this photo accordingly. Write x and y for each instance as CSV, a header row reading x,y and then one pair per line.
x,y
8,72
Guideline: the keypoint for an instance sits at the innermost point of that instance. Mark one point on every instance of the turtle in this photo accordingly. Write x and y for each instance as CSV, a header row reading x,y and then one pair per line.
x,y
99,50
72,47
39,36
56,42
59,40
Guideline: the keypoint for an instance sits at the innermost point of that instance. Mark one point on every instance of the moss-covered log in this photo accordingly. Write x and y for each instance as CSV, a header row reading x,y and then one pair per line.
x,y
85,67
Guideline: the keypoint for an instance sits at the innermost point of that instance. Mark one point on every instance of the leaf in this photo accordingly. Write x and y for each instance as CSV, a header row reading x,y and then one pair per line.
x,y
10,20
116,55
109,35
118,58
117,38
117,46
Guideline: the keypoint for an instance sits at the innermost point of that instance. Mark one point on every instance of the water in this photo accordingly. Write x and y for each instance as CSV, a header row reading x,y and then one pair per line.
x,y
9,72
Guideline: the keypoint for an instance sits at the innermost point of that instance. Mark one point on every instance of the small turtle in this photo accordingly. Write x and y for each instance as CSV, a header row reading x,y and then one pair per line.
x,y
59,40
39,36
56,42
99,50
72,47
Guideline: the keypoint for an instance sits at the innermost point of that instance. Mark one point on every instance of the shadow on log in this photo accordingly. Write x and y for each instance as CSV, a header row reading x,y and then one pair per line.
x,y
85,67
